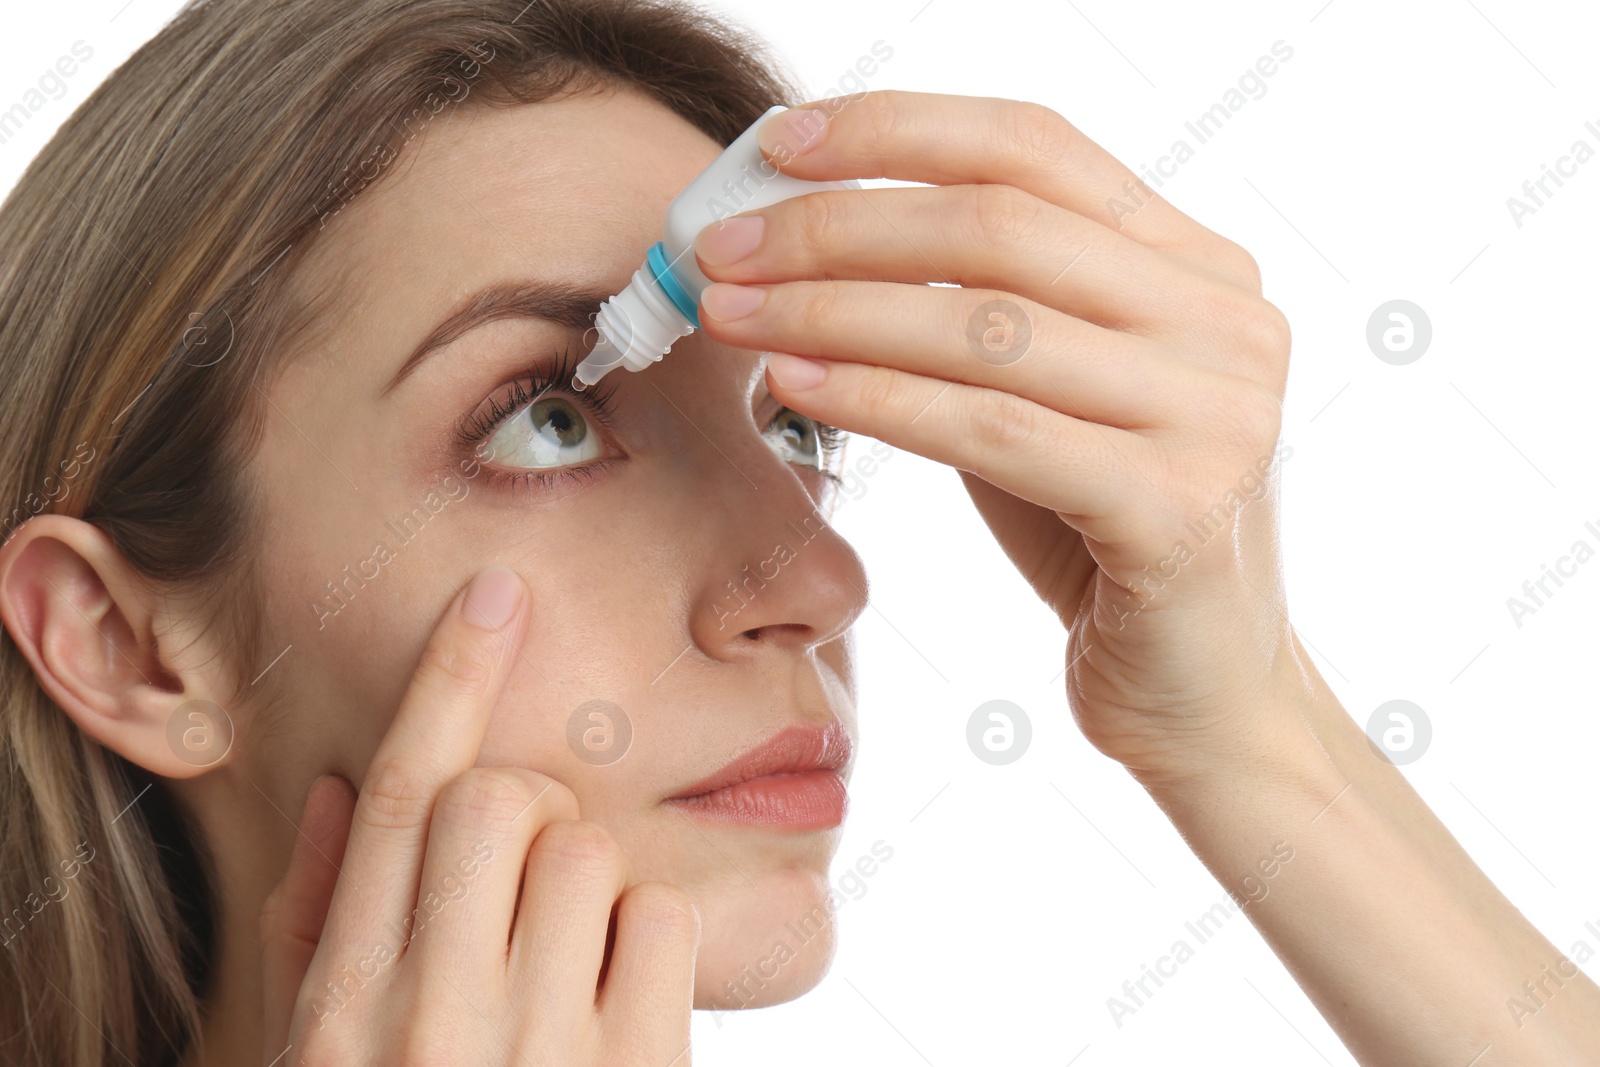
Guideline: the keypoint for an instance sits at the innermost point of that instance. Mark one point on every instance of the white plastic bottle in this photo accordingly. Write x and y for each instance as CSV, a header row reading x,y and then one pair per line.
x,y
661,304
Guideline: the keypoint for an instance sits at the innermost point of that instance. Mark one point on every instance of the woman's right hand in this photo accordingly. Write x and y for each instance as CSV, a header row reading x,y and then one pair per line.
x,y
453,914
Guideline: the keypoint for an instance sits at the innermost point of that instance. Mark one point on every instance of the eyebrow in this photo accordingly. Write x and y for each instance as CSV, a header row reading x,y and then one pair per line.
x,y
562,303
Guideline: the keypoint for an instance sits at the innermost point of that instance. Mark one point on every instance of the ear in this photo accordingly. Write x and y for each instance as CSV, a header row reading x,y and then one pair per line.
x,y
132,671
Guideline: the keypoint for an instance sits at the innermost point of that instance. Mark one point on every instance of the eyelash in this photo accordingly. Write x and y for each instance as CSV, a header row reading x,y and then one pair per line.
x,y
830,439
477,426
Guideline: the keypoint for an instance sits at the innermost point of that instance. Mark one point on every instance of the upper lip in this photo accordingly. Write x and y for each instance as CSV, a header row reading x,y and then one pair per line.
x,y
790,751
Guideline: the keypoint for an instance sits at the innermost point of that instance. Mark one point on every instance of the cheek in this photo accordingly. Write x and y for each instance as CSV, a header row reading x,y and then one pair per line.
x,y
357,599
578,705
355,620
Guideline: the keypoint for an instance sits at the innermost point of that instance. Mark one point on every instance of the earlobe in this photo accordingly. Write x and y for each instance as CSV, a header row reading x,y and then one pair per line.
x,y
99,639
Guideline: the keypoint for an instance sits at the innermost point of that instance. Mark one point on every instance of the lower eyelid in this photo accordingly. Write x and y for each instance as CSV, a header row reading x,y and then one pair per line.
x,y
535,481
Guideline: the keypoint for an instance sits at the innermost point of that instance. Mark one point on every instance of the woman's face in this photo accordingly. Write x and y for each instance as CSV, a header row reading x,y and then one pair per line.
x,y
678,564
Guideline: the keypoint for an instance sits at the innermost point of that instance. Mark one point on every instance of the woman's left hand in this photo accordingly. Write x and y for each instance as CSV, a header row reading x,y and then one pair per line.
x,y
1104,372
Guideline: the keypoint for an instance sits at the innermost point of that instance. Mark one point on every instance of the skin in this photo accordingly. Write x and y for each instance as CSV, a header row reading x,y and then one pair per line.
x,y
1150,388
627,575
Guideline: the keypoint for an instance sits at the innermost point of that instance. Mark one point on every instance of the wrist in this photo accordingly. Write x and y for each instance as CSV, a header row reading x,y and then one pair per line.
x,y
1270,754
1267,743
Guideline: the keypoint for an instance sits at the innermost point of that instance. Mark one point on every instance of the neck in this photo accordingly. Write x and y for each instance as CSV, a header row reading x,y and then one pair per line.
x,y
233,1013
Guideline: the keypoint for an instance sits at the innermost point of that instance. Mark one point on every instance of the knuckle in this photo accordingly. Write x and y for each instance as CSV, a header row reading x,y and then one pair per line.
x,y
882,115
663,909
456,663
1239,260
1001,421
812,229
1250,270
484,797
556,801
880,392
1004,214
578,849
1251,326
552,801
1040,136
817,315
396,795
1269,327
1232,262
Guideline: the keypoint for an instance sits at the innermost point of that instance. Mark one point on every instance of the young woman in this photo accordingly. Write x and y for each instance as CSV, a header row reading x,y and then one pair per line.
x,y
304,501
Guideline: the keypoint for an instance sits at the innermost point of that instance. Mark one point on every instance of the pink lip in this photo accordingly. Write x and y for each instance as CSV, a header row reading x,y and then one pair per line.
x,y
791,781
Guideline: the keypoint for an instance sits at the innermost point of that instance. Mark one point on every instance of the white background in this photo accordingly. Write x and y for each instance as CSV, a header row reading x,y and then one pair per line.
x,y
1417,500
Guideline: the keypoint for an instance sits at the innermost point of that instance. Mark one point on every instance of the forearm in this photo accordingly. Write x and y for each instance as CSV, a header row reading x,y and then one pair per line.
x,y
1399,939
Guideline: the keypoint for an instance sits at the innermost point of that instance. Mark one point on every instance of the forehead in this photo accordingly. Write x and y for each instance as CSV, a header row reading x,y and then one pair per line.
x,y
572,189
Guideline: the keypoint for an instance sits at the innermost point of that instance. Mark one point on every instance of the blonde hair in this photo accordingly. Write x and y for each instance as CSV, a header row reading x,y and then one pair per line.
x,y
145,257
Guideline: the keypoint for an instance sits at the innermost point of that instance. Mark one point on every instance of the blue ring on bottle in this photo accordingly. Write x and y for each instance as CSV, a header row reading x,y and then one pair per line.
x,y
662,270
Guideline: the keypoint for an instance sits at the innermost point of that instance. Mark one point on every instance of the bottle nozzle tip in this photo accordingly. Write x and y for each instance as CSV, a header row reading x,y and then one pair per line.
x,y
602,358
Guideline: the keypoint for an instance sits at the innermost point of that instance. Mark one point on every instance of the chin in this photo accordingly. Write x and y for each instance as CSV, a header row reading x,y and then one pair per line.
x,y
765,943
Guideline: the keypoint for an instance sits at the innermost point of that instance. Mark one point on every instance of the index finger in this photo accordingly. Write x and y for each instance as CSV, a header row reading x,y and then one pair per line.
x,y
435,737
945,139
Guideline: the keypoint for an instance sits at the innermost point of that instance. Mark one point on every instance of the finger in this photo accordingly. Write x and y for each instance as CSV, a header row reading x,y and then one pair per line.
x,y
1069,465
435,736
483,824
977,336
575,871
978,236
960,140
649,987
293,916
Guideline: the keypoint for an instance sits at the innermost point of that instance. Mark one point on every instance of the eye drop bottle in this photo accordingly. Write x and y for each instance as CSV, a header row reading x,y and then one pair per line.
x,y
661,304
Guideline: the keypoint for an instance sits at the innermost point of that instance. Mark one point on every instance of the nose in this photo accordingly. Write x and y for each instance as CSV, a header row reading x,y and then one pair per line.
x,y
777,575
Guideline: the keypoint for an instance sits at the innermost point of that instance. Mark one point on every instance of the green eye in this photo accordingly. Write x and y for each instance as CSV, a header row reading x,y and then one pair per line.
x,y
551,432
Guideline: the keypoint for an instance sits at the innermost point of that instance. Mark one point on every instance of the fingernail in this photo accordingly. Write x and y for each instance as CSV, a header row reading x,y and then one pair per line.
x,y
795,372
492,598
792,133
730,240
728,302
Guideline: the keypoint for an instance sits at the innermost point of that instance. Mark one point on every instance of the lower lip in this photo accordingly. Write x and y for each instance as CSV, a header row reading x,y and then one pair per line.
x,y
807,800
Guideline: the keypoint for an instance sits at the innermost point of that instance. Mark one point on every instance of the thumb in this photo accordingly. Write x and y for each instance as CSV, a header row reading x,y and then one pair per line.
x,y
292,917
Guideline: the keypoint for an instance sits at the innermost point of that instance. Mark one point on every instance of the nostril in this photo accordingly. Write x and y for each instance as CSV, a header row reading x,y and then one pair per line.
x,y
776,630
